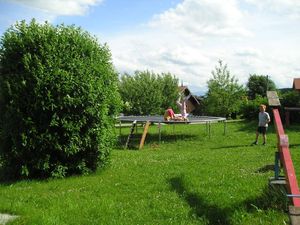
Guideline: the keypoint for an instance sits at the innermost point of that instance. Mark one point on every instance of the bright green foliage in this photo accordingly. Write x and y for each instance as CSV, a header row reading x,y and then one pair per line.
x,y
58,97
250,108
259,85
147,93
224,95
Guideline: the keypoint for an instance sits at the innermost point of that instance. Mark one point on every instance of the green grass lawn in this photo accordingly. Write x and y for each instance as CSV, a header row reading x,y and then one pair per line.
x,y
188,179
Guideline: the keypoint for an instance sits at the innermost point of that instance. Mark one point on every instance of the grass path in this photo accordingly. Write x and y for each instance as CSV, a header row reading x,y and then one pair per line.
x,y
188,179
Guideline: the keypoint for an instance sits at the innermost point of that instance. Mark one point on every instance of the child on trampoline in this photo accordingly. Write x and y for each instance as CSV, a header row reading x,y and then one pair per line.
x,y
263,120
181,103
169,114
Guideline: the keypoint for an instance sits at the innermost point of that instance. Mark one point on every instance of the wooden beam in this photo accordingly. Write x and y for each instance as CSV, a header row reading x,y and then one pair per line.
x,y
144,134
273,98
286,160
291,108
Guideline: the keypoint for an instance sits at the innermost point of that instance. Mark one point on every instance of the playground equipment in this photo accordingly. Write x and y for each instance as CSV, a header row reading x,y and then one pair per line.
x,y
147,120
283,157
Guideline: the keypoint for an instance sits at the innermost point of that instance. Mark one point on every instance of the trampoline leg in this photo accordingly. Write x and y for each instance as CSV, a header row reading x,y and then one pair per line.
x,y
209,128
224,127
159,133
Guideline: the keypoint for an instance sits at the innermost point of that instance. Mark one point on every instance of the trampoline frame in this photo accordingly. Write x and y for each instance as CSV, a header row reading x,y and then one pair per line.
x,y
160,120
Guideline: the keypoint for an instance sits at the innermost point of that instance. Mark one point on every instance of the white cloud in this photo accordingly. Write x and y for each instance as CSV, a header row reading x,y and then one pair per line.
x,y
162,53
286,7
60,7
189,39
206,17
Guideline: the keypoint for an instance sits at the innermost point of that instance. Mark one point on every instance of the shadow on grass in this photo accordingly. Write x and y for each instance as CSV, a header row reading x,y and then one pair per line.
x,y
200,207
265,169
152,139
248,126
233,146
294,145
271,198
251,127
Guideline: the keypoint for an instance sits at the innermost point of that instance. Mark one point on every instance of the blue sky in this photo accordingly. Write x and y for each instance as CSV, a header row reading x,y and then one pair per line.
x,y
184,37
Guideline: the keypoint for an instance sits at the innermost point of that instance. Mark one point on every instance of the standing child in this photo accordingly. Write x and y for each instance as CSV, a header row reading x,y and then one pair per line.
x,y
263,120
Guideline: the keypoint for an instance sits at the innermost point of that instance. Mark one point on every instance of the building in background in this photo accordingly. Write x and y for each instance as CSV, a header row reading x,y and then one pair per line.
x,y
192,102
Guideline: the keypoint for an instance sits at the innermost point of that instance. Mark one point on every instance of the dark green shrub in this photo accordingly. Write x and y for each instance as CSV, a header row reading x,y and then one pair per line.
x,y
58,98
291,99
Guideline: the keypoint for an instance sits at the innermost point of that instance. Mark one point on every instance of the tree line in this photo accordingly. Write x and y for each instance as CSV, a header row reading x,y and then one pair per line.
x,y
148,93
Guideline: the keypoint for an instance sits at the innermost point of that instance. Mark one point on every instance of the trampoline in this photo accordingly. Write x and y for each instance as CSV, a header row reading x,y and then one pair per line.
x,y
160,120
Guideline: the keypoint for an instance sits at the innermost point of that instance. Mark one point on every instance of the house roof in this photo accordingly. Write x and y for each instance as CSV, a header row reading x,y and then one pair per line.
x,y
182,88
296,84
187,92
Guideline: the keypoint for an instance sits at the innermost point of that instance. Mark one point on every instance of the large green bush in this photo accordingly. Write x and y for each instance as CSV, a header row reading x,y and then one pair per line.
x,y
58,98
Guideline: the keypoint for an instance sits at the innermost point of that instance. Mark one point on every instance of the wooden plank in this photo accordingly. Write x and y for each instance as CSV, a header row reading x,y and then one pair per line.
x,y
144,134
273,99
272,94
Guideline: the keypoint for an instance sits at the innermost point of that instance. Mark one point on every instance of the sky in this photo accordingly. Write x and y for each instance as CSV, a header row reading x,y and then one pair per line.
x,y
186,38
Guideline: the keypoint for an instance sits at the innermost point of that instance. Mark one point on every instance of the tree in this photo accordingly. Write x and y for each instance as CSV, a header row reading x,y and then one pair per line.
x,y
58,100
259,85
224,95
147,93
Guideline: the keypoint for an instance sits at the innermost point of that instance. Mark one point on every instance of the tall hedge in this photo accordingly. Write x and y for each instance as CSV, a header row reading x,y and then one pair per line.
x,y
58,98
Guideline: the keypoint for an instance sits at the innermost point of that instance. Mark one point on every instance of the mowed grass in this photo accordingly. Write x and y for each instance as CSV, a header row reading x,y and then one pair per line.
x,y
188,179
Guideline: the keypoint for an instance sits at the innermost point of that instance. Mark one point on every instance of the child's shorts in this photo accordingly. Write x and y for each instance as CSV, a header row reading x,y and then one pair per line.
x,y
262,130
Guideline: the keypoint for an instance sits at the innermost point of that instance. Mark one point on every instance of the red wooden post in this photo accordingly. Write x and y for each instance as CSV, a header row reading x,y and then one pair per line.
x,y
286,160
